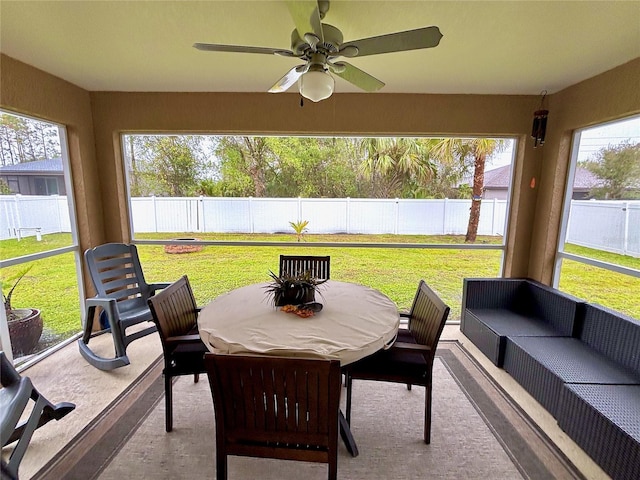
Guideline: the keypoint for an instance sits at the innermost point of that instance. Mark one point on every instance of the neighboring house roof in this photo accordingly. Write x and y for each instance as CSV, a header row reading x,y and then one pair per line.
x,y
584,179
49,166
498,178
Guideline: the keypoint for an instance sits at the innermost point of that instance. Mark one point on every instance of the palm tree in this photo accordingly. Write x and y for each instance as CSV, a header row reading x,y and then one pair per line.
x,y
481,149
452,155
463,149
393,163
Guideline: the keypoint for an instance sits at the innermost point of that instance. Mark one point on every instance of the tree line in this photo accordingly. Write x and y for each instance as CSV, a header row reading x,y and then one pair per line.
x,y
260,166
238,166
618,170
25,140
338,167
370,167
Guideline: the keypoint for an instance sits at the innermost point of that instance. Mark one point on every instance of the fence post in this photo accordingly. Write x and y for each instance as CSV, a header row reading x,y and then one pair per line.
x,y
59,217
348,207
299,209
200,215
397,213
493,217
625,240
444,216
16,214
155,213
250,215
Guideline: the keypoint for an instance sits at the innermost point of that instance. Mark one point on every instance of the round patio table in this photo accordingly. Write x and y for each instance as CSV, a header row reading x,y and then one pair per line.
x,y
355,322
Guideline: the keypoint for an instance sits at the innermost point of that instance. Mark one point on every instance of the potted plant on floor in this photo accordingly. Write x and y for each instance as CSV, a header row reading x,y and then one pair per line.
x,y
25,324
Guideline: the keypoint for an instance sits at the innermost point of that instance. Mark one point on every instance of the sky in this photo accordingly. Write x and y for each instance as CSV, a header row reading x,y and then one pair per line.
x,y
592,140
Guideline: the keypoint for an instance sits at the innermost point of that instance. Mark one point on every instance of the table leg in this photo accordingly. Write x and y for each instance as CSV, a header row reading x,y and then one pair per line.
x,y
347,436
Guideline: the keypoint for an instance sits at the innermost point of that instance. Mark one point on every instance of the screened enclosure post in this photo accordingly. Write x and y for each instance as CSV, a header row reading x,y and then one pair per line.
x,y
5,340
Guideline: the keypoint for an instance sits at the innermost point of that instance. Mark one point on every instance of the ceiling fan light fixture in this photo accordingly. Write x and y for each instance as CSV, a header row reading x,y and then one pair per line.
x,y
316,85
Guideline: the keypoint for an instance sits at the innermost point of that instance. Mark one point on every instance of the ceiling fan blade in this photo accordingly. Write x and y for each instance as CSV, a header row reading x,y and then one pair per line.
x,y
426,37
289,79
213,47
358,77
306,16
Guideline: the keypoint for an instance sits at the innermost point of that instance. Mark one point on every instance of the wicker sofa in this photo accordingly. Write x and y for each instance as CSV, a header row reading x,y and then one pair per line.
x,y
496,308
588,380
590,384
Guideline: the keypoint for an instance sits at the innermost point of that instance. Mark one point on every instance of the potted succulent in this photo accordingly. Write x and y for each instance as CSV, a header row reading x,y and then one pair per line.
x,y
25,324
293,289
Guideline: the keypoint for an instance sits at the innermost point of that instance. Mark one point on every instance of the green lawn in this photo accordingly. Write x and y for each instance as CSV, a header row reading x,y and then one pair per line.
x,y
51,283
624,260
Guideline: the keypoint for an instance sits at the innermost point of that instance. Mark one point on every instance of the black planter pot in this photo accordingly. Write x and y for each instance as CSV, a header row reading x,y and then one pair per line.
x,y
25,331
294,296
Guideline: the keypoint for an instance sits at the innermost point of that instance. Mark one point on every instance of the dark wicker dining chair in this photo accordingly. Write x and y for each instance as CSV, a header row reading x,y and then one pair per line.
x,y
275,407
318,267
175,314
410,359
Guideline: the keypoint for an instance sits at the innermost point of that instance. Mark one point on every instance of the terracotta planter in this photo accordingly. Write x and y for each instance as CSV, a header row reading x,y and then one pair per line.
x,y
182,248
25,330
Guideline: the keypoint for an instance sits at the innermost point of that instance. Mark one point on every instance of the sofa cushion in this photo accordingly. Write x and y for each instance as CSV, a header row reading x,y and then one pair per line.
x,y
488,329
542,365
524,297
605,421
494,308
506,322
549,305
613,334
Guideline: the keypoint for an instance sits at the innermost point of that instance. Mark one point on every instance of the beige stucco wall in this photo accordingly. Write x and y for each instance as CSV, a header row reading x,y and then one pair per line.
x,y
609,96
342,114
96,119
26,90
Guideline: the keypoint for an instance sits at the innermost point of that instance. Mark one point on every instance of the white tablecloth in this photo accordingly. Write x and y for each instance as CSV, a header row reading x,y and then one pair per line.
x,y
355,321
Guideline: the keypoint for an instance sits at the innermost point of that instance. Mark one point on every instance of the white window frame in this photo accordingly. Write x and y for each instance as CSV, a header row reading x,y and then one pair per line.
x,y
5,340
566,209
501,247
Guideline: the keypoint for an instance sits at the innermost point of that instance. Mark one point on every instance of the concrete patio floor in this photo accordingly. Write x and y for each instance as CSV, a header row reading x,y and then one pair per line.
x,y
66,376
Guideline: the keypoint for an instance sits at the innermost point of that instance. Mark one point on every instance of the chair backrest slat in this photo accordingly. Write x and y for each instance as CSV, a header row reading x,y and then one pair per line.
x,y
174,309
317,266
275,400
116,273
427,317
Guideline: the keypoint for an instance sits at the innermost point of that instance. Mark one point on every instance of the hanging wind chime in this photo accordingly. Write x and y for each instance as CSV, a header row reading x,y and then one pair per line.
x,y
539,123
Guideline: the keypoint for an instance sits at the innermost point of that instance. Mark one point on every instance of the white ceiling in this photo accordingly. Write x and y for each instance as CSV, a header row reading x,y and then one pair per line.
x,y
489,47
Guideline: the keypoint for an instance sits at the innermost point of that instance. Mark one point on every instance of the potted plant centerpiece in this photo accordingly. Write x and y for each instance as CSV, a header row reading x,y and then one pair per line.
x,y
25,324
293,289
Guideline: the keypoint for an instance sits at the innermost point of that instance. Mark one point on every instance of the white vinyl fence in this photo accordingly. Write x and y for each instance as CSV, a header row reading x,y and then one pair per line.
x,y
612,226
325,215
21,215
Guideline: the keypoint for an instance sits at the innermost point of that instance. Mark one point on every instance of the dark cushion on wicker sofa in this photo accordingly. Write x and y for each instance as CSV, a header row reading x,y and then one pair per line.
x,y
605,421
542,365
611,333
494,308
607,351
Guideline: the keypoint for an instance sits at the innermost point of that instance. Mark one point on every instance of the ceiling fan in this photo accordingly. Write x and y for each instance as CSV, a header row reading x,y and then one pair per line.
x,y
319,44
